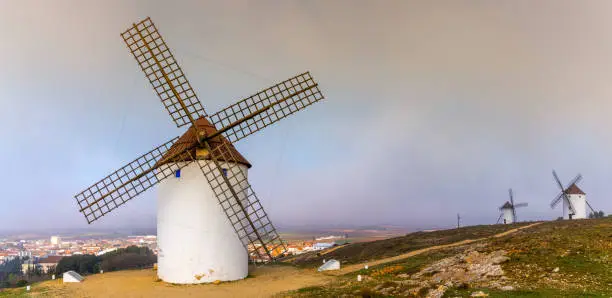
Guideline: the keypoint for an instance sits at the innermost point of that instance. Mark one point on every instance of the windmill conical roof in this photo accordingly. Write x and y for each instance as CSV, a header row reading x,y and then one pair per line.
x,y
574,190
507,205
189,139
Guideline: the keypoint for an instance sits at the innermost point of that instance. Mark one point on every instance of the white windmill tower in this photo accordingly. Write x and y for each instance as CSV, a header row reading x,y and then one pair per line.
x,y
508,210
574,199
209,220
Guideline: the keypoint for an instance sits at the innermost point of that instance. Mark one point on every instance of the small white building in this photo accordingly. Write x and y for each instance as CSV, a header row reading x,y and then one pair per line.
x,y
72,276
330,265
578,199
507,214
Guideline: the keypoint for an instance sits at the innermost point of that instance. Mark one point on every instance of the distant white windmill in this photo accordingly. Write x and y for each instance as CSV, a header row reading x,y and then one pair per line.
x,y
508,210
574,199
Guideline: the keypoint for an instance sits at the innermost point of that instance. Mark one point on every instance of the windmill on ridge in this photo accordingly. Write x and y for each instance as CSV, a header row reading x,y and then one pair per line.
x,y
209,220
574,199
508,210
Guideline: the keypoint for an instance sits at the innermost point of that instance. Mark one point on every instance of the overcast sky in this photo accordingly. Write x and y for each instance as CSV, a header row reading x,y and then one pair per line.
x,y
432,107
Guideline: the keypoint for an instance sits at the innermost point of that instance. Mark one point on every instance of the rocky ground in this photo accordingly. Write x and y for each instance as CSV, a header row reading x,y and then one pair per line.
x,y
553,259
472,268
465,270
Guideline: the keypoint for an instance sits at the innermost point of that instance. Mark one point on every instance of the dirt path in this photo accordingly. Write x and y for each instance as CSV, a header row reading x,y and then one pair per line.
x,y
356,267
324,252
266,280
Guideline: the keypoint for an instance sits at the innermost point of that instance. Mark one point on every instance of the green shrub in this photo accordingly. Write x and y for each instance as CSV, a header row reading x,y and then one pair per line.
x,y
22,283
131,257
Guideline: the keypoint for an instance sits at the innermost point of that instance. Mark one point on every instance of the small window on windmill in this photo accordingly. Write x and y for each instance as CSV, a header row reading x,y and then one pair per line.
x,y
177,173
224,170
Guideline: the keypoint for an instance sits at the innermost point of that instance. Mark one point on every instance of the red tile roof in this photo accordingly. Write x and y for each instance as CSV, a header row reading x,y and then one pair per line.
x,y
50,260
574,190
189,139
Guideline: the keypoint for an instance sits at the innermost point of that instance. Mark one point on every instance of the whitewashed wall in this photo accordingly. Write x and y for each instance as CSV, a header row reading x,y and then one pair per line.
x,y
507,215
579,203
196,241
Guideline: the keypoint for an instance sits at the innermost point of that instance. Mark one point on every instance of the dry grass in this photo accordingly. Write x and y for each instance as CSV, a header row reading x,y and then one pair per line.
x,y
144,283
581,249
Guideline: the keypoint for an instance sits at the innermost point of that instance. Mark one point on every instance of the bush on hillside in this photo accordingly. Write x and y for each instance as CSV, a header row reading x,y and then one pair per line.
x,y
127,261
131,257
597,214
82,264
124,258
22,283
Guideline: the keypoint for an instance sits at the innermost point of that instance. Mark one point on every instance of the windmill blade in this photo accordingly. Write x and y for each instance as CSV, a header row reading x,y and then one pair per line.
x,y
558,181
575,180
163,72
556,200
266,107
129,181
592,210
240,203
563,195
569,203
499,218
520,205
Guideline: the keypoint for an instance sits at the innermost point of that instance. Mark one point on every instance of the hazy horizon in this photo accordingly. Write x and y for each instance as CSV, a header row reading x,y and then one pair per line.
x,y
283,228
432,108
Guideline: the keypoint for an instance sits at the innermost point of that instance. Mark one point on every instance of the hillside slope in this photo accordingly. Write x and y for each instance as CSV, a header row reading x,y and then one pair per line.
x,y
551,259
374,250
